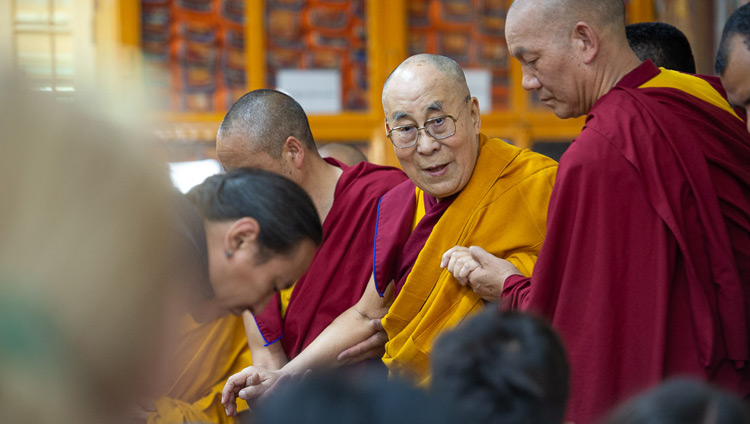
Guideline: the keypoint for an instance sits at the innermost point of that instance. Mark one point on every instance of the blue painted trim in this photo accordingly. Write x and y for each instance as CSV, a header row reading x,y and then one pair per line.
x,y
267,343
375,249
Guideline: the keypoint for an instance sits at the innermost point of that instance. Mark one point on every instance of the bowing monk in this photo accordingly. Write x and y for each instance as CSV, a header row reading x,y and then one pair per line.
x,y
463,187
733,59
245,235
645,271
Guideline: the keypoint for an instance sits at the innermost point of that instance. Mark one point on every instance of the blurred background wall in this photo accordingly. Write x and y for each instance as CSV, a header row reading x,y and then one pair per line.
x,y
190,59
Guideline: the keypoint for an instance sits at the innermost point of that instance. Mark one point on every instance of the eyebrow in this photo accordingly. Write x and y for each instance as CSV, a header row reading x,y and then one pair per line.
x,y
433,107
518,52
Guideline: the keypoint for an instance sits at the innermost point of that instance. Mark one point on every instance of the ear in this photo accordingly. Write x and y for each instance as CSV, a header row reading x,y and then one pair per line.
x,y
241,235
586,41
476,118
293,151
387,127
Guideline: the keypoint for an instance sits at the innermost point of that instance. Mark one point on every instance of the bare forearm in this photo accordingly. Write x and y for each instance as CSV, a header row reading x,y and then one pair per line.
x,y
350,328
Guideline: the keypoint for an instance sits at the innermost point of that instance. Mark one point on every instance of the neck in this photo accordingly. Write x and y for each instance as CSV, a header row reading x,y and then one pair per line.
x,y
320,183
616,68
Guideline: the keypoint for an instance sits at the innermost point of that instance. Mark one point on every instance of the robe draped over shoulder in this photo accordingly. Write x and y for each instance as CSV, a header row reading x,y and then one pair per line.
x,y
503,208
646,268
206,355
342,264
202,355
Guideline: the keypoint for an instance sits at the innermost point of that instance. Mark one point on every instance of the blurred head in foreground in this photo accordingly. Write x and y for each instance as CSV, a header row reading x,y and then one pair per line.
x,y
84,261
682,401
507,367
350,396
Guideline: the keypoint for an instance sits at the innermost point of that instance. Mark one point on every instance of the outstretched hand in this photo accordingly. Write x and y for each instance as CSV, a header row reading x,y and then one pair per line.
x,y
484,272
247,384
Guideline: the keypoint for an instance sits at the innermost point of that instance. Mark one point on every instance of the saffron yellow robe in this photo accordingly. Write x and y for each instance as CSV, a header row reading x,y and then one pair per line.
x,y
207,354
503,209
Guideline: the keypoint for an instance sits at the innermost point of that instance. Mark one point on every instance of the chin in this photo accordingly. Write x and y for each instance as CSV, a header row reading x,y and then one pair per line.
x,y
440,192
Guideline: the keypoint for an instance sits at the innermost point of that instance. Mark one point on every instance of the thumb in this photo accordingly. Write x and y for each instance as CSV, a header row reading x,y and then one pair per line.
x,y
480,255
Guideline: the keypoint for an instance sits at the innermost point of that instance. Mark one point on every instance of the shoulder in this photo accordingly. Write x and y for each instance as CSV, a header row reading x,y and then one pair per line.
x,y
370,178
591,154
523,163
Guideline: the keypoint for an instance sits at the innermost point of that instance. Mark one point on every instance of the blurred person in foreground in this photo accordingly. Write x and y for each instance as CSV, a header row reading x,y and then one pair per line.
x,y
346,395
84,262
733,59
648,242
663,44
502,367
682,401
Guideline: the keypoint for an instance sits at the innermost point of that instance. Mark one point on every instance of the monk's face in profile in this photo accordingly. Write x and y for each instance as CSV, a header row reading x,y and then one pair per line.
x,y
736,76
248,277
420,92
549,62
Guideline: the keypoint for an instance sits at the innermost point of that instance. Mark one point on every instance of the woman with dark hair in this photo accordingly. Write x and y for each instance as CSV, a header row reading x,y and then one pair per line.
x,y
261,231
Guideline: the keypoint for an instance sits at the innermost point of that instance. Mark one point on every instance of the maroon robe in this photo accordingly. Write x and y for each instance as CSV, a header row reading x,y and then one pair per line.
x,y
396,245
342,264
645,270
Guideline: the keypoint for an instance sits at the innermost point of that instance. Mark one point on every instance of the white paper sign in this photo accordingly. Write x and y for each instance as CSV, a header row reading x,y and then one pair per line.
x,y
480,86
186,175
316,90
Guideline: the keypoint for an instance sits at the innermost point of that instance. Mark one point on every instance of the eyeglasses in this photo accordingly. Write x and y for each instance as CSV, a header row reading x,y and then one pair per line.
x,y
439,128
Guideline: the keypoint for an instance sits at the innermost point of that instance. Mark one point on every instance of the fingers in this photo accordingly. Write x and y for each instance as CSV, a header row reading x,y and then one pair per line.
x,y
372,347
234,384
238,385
467,265
445,260
252,392
482,256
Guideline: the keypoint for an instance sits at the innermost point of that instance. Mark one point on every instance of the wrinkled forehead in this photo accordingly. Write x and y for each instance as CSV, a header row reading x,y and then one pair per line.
x,y
416,94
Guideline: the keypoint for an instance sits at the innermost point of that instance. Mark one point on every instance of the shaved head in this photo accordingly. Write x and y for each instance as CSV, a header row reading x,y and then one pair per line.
x,y
261,121
566,13
447,67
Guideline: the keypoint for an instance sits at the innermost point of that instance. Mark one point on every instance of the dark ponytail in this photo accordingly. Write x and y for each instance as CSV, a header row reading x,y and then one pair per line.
x,y
284,211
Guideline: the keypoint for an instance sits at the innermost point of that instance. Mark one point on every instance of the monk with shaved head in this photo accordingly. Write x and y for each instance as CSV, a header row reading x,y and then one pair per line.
x,y
269,130
645,270
464,188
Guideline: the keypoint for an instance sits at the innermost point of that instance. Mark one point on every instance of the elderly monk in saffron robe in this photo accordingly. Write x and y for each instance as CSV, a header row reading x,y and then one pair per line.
x,y
464,188
645,271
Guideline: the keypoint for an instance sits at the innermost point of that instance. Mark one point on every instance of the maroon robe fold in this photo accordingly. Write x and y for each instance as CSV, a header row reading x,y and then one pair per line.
x,y
342,264
645,270
396,245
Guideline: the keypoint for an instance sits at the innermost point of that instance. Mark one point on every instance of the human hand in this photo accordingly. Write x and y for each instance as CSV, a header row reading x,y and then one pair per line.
x,y
372,347
482,271
247,384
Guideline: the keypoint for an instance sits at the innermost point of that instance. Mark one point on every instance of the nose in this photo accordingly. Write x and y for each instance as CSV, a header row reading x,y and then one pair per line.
x,y
426,144
530,82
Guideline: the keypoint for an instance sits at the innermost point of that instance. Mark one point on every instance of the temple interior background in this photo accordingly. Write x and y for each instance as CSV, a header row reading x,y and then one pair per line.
x,y
190,59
